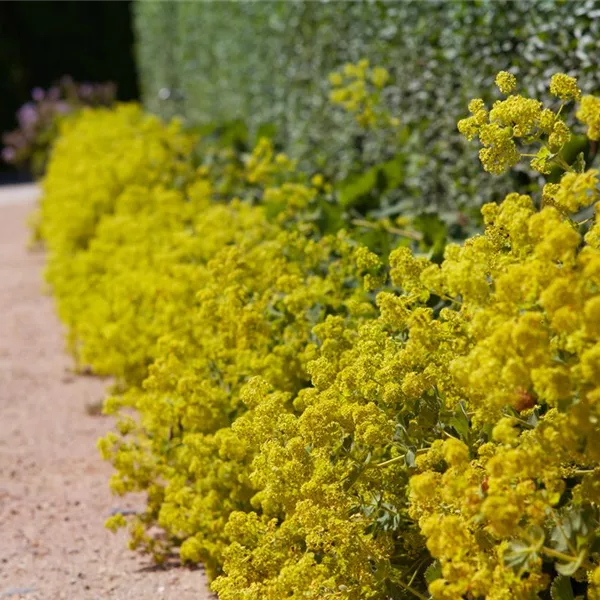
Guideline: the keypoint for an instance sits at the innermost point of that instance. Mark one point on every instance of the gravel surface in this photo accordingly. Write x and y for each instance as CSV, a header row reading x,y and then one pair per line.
x,y
54,495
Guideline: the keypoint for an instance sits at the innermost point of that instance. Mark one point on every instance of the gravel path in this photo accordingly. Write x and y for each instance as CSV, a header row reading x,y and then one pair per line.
x,y
54,495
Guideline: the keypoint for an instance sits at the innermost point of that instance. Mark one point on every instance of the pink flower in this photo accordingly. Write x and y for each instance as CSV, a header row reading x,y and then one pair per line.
x,y
8,154
37,94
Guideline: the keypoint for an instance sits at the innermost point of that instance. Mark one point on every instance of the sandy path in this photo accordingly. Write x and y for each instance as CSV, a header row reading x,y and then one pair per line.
x,y
53,486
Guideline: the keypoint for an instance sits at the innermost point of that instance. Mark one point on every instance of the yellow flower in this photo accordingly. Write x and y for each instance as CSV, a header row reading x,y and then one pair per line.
x,y
589,114
547,120
505,431
317,180
574,192
335,79
455,452
506,82
560,135
379,77
564,87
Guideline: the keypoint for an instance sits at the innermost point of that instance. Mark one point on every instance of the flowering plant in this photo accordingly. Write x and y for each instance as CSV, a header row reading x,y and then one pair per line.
x,y
313,420
29,145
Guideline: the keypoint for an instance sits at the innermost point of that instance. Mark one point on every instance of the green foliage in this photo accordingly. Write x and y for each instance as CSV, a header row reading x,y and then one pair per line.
x,y
267,63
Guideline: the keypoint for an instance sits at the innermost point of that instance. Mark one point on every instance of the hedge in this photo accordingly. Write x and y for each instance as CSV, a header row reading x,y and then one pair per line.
x,y
311,419
266,64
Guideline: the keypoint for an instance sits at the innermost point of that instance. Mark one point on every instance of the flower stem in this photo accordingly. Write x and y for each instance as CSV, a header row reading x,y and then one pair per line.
x,y
412,590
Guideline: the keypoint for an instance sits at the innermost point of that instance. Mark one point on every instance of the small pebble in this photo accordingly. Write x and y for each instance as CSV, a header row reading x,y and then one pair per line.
x,y
122,511
17,592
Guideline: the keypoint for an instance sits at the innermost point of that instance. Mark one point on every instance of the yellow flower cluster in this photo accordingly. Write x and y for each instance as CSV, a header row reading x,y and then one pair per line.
x,y
122,147
527,121
589,114
254,307
110,169
357,88
506,82
314,421
564,87
514,512
264,163
574,192
191,297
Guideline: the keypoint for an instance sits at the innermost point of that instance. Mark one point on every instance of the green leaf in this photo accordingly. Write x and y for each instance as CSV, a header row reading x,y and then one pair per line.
x,y
594,544
574,148
353,476
561,589
355,187
534,417
394,171
433,572
571,567
574,529
434,230
579,164
519,556
266,130
330,219
460,423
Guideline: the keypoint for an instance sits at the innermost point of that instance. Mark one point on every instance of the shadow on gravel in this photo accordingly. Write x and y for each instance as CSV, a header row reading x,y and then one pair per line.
x,y
173,562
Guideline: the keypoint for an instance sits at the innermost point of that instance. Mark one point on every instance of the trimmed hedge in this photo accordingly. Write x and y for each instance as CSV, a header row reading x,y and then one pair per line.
x,y
266,63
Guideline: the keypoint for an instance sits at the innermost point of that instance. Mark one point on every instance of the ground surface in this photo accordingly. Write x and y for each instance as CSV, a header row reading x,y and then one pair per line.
x,y
54,497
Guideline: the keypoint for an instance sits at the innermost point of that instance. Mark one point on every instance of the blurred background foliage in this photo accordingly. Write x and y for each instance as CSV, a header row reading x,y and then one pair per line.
x,y
261,68
40,42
